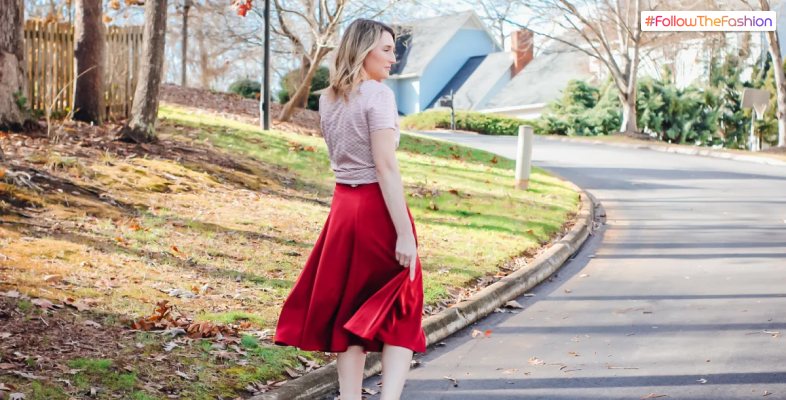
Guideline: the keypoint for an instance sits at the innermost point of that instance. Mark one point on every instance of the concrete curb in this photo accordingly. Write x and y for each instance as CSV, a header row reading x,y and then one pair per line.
x,y
693,151
437,327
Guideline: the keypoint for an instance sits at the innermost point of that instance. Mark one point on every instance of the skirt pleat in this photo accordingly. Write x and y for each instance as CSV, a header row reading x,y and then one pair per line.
x,y
352,291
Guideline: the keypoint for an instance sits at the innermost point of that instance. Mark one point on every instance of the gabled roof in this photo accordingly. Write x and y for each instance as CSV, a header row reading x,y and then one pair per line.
x,y
473,82
419,41
544,78
457,82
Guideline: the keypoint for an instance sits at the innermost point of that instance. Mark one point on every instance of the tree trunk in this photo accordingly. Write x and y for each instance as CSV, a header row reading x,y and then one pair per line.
x,y
89,60
12,72
204,59
184,57
141,125
301,93
780,79
628,125
305,66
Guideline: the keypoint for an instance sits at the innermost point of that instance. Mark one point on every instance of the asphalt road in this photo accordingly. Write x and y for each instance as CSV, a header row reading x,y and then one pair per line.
x,y
681,294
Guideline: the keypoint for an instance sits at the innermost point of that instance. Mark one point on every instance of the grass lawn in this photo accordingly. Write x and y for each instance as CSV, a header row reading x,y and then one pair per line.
x,y
219,222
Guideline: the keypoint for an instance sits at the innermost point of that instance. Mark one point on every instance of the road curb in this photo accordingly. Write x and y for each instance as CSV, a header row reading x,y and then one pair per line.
x,y
437,327
693,151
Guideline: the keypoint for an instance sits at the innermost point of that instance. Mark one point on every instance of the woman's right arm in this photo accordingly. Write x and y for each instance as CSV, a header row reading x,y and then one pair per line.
x,y
383,149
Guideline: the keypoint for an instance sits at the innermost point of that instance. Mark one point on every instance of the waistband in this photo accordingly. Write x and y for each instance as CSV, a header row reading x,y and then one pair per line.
x,y
355,185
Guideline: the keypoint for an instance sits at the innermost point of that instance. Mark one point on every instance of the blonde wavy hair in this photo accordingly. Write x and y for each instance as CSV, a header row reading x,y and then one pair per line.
x,y
360,38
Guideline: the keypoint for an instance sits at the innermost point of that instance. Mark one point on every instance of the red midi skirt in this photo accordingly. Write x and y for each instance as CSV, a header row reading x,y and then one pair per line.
x,y
352,291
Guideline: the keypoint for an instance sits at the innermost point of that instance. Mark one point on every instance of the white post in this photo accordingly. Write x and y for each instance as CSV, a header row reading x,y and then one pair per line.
x,y
524,156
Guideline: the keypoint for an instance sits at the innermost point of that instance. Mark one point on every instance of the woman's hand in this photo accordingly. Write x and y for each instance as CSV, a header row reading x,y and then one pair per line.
x,y
407,253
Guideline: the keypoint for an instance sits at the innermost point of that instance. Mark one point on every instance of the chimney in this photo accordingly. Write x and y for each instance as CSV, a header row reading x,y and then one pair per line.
x,y
521,44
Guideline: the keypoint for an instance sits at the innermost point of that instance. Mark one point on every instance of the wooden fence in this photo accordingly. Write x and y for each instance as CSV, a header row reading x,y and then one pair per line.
x,y
49,55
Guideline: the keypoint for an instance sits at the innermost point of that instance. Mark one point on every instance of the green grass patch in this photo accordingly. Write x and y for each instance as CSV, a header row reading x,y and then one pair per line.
x,y
231,317
99,372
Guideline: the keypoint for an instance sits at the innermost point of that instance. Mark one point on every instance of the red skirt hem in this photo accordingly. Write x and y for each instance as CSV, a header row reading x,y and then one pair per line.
x,y
352,291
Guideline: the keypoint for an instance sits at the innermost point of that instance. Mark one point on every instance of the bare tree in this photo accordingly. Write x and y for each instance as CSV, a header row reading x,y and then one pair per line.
x,y
184,34
607,30
220,46
322,24
89,60
141,125
12,73
312,30
497,13
780,79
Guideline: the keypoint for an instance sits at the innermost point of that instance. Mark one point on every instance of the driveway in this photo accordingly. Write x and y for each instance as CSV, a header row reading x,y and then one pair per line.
x,y
681,294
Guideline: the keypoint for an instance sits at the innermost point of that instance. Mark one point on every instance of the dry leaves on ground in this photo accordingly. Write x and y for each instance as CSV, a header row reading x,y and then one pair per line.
x,y
166,317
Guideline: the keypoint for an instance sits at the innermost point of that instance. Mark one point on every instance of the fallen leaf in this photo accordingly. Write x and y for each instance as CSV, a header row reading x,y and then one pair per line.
x,y
183,375
43,303
513,304
536,361
6,366
7,388
93,324
81,304
292,373
26,375
5,335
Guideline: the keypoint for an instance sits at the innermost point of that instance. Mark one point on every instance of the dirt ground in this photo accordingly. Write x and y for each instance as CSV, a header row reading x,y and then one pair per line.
x,y
237,107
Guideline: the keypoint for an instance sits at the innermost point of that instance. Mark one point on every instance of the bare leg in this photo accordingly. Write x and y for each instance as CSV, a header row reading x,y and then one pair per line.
x,y
350,373
395,366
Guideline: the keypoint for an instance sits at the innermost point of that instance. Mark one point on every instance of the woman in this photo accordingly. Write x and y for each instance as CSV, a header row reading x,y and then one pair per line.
x,y
361,289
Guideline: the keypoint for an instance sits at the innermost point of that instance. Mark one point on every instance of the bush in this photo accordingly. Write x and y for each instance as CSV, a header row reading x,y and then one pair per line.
x,y
291,80
246,88
688,115
583,110
487,124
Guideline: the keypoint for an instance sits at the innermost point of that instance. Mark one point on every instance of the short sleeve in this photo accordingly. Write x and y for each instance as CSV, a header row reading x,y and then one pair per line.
x,y
382,112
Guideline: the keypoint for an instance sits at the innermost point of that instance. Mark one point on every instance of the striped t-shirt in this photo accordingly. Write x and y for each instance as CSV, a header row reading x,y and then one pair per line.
x,y
347,126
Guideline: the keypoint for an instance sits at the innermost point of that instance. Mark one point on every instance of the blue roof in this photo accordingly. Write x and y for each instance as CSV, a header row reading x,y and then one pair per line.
x,y
458,80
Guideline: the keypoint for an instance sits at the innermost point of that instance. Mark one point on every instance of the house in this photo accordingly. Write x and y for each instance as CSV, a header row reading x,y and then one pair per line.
x,y
457,55
542,81
454,53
